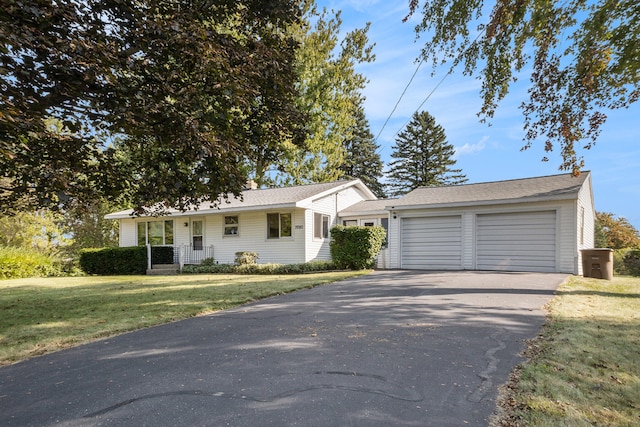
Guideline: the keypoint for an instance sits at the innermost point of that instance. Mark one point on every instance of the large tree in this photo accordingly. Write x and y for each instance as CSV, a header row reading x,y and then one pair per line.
x,y
362,159
423,157
177,81
615,233
329,94
581,58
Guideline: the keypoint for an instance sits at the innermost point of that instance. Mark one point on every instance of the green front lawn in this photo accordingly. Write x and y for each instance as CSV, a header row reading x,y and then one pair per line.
x,y
584,368
41,315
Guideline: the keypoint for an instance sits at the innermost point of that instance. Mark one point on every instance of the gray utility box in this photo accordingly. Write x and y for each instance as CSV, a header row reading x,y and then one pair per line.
x,y
597,263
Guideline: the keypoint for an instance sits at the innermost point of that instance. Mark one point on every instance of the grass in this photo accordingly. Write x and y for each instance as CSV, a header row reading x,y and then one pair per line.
x,y
40,315
584,368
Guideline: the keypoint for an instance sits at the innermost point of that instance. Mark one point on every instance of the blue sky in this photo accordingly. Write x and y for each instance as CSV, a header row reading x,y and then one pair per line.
x,y
484,153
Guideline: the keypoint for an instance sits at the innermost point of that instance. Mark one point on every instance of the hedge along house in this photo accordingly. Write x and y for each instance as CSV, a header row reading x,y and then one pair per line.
x,y
533,224
283,225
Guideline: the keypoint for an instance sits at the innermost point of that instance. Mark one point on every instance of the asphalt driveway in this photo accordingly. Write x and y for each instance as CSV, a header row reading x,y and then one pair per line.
x,y
393,348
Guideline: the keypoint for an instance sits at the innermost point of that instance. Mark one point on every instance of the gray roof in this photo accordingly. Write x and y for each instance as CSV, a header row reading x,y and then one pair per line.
x,y
268,198
366,207
555,187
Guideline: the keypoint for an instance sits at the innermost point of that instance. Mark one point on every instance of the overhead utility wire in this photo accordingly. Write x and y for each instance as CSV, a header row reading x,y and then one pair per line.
x,y
455,62
399,99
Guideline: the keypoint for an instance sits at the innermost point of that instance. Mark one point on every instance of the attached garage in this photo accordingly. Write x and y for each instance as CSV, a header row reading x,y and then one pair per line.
x,y
533,224
523,241
432,243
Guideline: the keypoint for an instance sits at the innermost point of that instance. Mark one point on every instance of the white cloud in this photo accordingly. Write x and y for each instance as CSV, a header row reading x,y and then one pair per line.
x,y
471,148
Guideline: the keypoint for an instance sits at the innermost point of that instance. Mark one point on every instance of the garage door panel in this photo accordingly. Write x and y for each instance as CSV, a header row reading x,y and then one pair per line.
x,y
516,241
432,243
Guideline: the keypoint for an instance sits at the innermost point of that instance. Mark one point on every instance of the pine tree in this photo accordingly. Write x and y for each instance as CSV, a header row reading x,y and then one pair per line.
x,y
423,157
362,159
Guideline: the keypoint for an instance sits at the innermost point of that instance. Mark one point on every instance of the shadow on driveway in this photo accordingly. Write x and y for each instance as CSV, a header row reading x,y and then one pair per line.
x,y
389,348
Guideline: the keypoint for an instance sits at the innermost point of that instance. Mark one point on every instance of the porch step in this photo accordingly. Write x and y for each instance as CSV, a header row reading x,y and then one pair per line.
x,y
163,269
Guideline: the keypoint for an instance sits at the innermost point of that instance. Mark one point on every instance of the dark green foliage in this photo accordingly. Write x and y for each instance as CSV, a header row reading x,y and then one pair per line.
x,y
17,263
632,262
619,268
356,247
423,157
363,159
113,261
161,255
246,258
208,262
175,83
309,267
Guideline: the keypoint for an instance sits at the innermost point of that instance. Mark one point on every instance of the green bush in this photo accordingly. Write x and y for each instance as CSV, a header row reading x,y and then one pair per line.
x,y
356,247
619,267
308,267
112,261
161,254
246,258
16,263
207,262
632,262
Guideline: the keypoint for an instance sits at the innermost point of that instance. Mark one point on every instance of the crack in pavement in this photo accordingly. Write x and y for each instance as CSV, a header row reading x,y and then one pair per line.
x,y
408,395
486,375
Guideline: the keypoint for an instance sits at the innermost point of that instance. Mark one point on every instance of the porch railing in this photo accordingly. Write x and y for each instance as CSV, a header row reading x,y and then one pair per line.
x,y
189,254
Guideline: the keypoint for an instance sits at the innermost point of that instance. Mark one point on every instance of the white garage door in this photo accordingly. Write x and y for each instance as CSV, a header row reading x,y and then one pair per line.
x,y
433,243
516,241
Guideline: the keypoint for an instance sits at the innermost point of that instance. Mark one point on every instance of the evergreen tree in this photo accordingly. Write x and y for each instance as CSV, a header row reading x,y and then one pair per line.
x,y
423,157
328,94
362,159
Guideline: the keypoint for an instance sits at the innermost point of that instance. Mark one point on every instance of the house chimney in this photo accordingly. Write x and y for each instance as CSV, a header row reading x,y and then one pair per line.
x,y
251,185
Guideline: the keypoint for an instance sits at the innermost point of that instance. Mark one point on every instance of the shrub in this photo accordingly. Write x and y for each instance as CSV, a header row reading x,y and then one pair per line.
x,y
207,261
619,267
210,269
161,255
16,263
112,261
632,262
308,267
243,258
356,247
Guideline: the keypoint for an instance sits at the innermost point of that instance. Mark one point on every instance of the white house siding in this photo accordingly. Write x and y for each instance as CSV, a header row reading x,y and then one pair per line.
x,y
347,197
586,222
182,234
565,227
252,237
318,249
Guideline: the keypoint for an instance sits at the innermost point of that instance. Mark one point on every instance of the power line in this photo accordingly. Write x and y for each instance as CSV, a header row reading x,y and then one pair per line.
x,y
455,63
399,99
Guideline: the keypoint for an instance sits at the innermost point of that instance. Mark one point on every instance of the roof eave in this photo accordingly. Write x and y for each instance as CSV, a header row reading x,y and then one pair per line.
x,y
208,211
343,214
485,202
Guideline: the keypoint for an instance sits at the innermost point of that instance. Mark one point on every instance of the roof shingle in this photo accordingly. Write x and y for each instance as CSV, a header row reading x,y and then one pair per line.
x,y
554,187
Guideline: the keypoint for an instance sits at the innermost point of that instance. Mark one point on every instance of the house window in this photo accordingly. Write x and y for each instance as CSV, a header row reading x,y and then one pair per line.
x,y
320,226
197,235
155,233
278,225
384,222
231,224
350,222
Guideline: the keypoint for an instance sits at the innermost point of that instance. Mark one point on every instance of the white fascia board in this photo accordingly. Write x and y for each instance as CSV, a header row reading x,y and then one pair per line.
x,y
305,203
177,214
482,203
362,213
